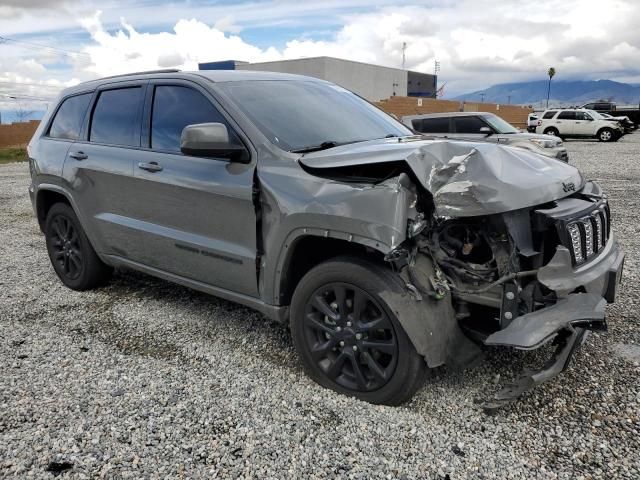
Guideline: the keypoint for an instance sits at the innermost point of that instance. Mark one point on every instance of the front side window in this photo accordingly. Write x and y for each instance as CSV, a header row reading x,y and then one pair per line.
x,y
433,125
583,116
116,117
296,114
68,120
468,124
567,115
500,125
175,107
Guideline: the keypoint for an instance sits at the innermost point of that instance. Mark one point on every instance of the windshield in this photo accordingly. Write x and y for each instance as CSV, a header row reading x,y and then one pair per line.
x,y
499,125
299,115
595,115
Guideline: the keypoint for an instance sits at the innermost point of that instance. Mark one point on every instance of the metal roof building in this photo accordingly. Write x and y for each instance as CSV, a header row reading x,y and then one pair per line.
x,y
372,82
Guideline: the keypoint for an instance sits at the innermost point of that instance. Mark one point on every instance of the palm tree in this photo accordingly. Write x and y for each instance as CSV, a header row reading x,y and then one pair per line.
x,y
551,73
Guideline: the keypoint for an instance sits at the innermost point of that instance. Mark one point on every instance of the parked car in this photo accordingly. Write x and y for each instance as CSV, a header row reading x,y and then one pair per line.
x,y
532,122
387,253
632,112
578,123
486,127
624,122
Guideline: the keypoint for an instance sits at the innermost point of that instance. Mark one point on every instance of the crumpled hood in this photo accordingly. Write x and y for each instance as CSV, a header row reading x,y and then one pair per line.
x,y
465,178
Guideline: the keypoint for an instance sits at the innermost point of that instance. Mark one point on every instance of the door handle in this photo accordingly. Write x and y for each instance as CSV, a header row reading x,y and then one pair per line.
x,y
150,167
79,156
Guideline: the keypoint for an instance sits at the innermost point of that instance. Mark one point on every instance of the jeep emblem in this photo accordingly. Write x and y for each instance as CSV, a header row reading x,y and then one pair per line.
x,y
568,187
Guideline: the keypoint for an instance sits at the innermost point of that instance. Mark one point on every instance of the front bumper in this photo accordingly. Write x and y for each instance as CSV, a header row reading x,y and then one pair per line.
x,y
583,294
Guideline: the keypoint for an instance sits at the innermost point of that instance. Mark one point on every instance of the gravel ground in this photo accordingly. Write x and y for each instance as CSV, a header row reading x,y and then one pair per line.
x,y
145,379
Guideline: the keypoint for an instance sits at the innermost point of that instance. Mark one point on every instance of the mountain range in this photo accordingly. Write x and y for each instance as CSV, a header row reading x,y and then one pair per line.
x,y
562,92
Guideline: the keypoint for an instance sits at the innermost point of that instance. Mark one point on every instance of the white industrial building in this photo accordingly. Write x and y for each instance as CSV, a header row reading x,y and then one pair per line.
x,y
372,82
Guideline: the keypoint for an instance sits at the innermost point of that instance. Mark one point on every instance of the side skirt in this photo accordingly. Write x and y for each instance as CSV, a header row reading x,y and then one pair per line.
x,y
273,312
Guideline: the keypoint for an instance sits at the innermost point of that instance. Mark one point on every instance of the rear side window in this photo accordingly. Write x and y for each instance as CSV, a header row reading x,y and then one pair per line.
x,y
549,115
567,115
116,117
432,125
468,124
175,107
68,120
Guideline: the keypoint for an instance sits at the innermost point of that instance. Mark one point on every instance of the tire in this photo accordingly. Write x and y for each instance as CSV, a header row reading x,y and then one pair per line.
x,y
606,135
72,256
552,131
368,355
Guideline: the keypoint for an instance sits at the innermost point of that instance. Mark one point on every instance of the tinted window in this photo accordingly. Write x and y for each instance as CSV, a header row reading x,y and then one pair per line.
x,y
296,115
176,107
601,106
590,106
549,115
432,125
567,115
116,117
582,116
468,124
68,120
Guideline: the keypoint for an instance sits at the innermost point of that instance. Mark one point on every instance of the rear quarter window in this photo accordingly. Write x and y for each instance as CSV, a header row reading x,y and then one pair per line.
x,y
68,119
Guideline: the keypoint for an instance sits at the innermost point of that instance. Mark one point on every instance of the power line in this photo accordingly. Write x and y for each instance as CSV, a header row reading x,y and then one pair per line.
x,y
18,96
39,46
10,84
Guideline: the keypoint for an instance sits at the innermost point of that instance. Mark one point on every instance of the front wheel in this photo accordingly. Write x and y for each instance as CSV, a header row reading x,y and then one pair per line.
x,y
348,338
606,135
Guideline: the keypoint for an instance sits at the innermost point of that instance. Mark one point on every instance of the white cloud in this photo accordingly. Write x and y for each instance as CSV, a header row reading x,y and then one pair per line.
x,y
478,42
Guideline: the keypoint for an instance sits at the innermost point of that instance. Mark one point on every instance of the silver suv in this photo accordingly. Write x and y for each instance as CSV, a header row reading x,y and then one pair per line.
x,y
388,254
484,127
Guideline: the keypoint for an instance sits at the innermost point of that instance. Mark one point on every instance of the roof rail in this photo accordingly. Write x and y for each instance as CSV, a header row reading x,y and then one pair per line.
x,y
147,72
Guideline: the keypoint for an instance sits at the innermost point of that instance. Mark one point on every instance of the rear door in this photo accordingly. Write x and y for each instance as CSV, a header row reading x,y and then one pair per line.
x,y
99,167
192,216
565,122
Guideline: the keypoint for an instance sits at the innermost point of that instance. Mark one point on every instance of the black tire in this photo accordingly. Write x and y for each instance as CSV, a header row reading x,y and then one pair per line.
x,y
606,135
72,256
374,344
552,131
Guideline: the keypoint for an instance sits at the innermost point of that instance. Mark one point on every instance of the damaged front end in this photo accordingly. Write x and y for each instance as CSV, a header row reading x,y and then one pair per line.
x,y
503,249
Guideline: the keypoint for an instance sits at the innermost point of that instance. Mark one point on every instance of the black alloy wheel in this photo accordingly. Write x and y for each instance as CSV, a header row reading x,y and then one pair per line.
x,y
72,256
350,337
65,246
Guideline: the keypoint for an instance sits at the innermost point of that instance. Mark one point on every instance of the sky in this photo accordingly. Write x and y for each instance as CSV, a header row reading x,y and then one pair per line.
x,y
48,44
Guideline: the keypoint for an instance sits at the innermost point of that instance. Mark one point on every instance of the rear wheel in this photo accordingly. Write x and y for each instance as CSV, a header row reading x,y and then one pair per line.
x,y
606,135
552,131
72,256
348,338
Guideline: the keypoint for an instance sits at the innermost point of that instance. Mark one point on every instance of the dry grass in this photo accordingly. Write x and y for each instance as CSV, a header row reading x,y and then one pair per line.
x,y
13,154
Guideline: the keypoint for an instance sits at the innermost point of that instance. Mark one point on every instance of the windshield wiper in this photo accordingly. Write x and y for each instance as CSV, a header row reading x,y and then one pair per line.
x,y
316,148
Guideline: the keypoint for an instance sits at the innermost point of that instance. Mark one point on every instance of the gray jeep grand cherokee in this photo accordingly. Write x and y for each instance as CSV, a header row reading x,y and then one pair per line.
x,y
388,254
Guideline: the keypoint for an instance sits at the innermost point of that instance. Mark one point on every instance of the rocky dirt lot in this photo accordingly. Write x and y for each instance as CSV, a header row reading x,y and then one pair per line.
x,y
145,379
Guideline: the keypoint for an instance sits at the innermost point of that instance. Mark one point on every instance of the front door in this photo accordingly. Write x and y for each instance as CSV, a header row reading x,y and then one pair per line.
x,y
583,124
192,217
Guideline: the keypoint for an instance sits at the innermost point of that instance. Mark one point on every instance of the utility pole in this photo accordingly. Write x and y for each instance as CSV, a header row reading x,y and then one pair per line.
x,y
404,48
508,99
436,67
482,97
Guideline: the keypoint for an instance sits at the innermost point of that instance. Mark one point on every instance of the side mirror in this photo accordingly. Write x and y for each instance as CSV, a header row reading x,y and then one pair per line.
x,y
486,131
211,140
